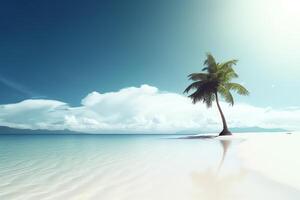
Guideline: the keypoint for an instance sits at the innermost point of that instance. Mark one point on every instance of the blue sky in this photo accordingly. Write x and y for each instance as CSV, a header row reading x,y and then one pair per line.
x,y
62,50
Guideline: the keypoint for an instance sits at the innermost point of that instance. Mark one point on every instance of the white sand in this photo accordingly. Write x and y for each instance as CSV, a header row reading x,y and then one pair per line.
x,y
274,155
241,167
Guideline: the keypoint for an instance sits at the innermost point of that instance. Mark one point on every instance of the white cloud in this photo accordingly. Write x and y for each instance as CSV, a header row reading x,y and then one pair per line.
x,y
34,114
144,109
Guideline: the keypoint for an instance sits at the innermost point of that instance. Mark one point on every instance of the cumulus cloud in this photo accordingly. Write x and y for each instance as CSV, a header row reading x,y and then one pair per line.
x,y
142,109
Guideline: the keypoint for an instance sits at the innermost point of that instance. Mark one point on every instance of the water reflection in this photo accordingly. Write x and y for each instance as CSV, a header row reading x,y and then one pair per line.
x,y
214,185
225,145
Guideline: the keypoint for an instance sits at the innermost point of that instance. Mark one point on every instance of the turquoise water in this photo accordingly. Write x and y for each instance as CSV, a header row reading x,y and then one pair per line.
x,y
116,167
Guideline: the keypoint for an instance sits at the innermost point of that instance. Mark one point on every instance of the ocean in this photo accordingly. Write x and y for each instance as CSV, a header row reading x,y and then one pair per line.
x,y
131,167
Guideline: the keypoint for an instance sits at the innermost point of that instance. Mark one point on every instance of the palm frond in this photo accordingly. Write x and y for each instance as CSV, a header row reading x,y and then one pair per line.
x,y
229,63
196,96
241,90
204,68
226,76
194,85
232,74
206,97
198,76
210,63
225,93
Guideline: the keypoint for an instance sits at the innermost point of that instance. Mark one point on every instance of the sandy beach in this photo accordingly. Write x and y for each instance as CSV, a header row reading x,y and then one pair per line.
x,y
244,166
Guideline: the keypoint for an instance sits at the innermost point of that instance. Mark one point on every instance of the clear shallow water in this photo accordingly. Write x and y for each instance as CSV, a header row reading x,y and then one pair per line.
x,y
117,167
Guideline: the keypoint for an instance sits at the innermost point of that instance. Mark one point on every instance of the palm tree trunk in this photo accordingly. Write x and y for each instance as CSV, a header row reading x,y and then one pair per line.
x,y
225,130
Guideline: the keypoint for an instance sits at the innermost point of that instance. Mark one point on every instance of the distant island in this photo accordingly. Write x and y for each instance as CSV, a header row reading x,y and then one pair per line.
x,y
254,129
9,130
257,129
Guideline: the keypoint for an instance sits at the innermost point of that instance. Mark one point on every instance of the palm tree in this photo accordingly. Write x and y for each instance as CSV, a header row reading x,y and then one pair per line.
x,y
215,80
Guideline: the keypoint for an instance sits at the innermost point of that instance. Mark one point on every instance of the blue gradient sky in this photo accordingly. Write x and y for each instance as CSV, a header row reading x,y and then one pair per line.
x,y
63,50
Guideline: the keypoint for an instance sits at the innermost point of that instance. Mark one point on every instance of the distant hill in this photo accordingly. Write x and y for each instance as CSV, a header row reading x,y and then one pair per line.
x,y
8,130
256,129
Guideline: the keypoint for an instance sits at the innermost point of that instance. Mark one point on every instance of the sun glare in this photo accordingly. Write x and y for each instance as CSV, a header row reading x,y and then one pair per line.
x,y
292,7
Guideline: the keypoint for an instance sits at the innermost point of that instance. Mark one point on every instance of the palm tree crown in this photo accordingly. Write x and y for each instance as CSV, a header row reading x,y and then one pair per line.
x,y
215,79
